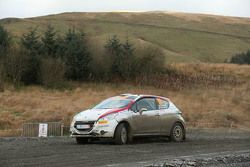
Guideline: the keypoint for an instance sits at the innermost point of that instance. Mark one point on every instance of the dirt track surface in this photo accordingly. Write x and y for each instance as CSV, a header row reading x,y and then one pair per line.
x,y
202,148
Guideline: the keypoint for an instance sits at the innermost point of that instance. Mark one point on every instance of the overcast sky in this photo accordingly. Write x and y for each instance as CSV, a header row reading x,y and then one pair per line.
x,y
31,8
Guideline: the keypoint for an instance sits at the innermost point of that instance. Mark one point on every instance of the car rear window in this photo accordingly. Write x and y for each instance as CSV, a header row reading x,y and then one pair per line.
x,y
162,104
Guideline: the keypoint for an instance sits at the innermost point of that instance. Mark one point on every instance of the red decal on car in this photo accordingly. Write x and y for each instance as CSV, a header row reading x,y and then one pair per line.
x,y
116,110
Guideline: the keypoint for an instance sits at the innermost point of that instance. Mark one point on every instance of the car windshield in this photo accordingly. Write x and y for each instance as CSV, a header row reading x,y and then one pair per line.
x,y
115,102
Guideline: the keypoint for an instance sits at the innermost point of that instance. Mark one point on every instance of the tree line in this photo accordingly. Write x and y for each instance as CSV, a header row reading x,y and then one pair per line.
x,y
50,59
241,58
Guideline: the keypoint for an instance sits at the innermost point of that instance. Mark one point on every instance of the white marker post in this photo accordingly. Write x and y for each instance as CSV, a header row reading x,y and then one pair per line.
x,y
43,130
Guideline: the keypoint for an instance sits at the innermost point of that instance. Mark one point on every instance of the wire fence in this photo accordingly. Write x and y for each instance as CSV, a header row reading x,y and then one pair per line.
x,y
59,129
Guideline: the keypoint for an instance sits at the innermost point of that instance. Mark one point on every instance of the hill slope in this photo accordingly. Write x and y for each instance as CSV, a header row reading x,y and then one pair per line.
x,y
184,37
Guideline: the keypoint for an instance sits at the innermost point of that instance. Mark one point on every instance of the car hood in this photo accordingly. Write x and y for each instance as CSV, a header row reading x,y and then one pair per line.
x,y
91,114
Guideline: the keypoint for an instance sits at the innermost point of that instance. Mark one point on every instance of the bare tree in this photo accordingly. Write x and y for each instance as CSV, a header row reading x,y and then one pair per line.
x,y
15,65
1,77
52,72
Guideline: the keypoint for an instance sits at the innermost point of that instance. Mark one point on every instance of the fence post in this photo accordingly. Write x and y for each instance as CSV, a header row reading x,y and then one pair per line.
x,y
62,129
22,130
231,126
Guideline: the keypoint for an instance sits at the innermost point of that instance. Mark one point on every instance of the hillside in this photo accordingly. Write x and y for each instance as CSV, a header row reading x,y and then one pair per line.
x,y
183,37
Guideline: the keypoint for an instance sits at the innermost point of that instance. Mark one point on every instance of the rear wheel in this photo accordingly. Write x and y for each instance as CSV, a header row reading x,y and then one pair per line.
x,y
177,133
121,134
82,140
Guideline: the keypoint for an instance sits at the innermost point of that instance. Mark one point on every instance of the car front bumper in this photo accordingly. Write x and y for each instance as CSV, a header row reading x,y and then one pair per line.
x,y
97,131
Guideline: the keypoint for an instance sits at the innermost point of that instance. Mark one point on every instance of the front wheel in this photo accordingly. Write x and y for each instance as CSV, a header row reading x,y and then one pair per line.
x,y
177,133
121,134
82,140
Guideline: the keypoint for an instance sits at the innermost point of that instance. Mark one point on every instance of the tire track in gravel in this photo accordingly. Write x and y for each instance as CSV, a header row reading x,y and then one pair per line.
x,y
63,151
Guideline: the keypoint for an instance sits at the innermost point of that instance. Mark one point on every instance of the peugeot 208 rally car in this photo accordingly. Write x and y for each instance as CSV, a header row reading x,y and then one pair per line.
x,y
126,116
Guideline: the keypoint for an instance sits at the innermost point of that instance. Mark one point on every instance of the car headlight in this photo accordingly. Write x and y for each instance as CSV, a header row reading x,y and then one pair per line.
x,y
106,119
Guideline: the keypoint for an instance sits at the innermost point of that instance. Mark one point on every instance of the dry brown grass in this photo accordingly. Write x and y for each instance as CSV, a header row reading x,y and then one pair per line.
x,y
225,104
239,71
199,76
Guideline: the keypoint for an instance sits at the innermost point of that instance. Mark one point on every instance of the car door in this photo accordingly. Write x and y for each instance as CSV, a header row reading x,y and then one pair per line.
x,y
167,115
146,122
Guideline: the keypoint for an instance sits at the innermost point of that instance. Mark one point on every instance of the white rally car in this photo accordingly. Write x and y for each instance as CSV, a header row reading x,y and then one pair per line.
x,y
126,116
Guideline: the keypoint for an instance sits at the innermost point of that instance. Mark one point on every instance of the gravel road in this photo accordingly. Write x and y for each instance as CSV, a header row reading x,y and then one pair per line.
x,y
202,148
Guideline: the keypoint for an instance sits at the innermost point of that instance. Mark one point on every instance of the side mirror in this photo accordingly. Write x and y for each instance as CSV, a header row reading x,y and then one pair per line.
x,y
142,110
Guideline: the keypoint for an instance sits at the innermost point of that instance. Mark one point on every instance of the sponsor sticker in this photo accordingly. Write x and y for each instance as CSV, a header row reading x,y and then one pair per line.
x,y
103,122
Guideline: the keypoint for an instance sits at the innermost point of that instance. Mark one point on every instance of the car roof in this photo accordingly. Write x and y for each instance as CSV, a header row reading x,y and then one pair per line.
x,y
137,96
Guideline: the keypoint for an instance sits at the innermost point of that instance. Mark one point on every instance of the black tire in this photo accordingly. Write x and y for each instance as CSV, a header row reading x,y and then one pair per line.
x,y
177,133
121,134
82,140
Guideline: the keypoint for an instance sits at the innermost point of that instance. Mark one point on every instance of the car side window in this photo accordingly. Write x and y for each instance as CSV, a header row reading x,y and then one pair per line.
x,y
148,103
133,107
162,104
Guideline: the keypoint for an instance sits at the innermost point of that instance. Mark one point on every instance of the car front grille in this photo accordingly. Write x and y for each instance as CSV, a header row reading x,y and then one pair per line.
x,y
90,123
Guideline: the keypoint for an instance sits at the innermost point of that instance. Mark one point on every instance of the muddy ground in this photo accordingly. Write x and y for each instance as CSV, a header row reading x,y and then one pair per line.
x,y
202,148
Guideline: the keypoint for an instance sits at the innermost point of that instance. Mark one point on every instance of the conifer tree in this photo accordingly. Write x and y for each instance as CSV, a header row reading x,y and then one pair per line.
x,y
49,42
32,48
4,42
242,58
114,52
128,60
76,55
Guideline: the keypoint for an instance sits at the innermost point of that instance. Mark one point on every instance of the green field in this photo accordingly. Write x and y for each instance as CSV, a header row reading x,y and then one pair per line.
x,y
183,37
